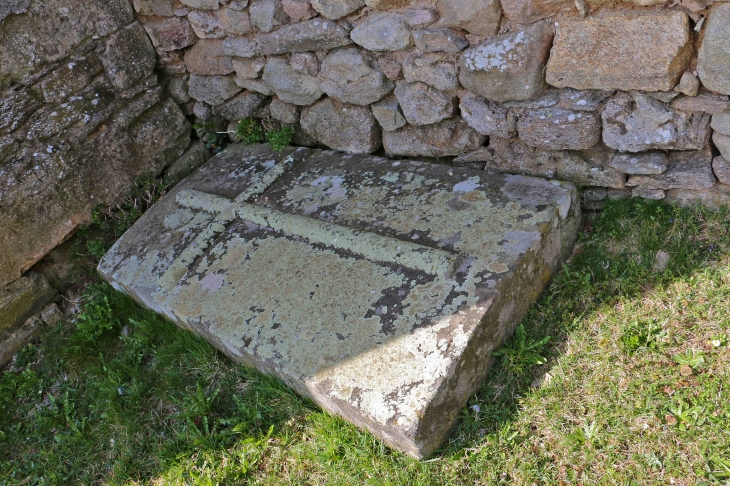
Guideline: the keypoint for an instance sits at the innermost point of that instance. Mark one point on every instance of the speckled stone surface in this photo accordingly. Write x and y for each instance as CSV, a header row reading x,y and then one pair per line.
x,y
378,288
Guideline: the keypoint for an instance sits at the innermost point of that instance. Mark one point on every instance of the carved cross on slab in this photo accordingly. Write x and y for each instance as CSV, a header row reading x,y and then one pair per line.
x,y
378,288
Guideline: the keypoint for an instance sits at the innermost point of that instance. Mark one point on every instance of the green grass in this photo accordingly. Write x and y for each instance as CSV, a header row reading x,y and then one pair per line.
x,y
250,131
617,376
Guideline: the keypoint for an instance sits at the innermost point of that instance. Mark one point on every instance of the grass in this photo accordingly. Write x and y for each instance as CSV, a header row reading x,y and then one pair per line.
x,y
248,131
617,376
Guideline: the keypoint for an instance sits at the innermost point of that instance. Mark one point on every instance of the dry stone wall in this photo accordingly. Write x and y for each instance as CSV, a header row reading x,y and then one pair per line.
x,y
621,98
82,114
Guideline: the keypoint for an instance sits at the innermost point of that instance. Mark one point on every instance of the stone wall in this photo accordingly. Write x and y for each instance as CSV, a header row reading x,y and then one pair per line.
x,y
81,116
620,98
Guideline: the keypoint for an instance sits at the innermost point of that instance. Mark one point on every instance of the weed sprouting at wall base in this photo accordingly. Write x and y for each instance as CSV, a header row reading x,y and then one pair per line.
x,y
108,223
121,216
278,139
250,131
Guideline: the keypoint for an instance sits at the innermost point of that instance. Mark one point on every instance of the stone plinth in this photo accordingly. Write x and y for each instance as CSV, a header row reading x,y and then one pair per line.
x,y
378,288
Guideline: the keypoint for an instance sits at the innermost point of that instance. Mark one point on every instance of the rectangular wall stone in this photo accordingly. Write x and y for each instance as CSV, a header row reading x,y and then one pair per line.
x,y
631,50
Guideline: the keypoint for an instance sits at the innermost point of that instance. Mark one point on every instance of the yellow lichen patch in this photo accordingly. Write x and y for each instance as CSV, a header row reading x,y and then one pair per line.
x,y
497,267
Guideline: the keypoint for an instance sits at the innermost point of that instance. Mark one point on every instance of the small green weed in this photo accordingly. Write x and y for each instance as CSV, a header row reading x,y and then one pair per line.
x,y
718,469
250,131
97,247
693,359
582,435
96,316
688,415
280,138
642,335
522,352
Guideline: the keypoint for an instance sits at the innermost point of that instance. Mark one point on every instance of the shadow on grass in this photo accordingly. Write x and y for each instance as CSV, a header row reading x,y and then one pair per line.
x,y
616,257
125,396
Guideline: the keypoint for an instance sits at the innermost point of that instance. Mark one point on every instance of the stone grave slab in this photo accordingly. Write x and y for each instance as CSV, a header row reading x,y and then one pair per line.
x,y
377,288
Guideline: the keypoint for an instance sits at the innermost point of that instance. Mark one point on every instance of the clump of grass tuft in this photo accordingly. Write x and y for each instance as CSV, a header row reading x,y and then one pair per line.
x,y
638,335
250,131
280,138
522,353
121,216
